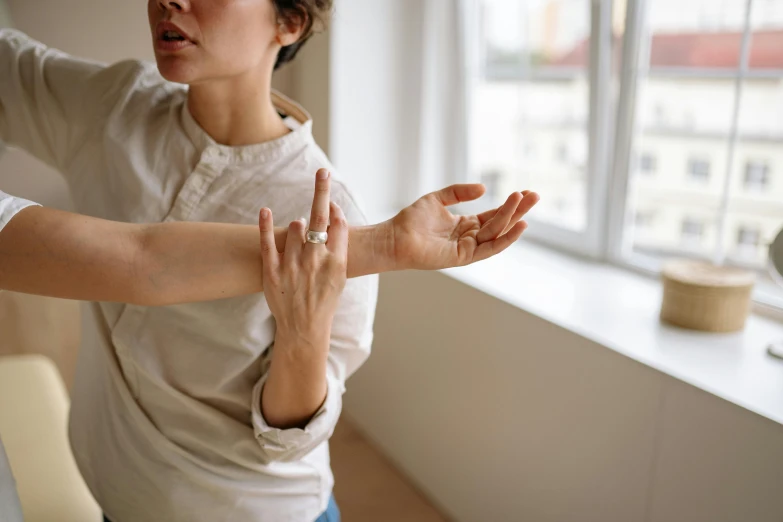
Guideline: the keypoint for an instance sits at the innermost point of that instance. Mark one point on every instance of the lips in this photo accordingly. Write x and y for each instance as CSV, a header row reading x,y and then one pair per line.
x,y
170,37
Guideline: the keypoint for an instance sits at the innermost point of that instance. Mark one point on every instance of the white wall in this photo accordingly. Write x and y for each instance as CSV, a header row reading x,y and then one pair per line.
x,y
369,89
501,416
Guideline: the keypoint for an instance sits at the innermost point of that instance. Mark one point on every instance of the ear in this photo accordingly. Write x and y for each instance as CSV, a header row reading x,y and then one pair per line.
x,y
291,27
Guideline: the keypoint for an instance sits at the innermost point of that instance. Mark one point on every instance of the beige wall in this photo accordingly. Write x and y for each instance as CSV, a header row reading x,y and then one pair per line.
x,y
306,80
500,416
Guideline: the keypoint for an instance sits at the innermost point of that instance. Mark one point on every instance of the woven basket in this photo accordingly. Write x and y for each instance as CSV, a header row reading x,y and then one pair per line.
x,y
705,297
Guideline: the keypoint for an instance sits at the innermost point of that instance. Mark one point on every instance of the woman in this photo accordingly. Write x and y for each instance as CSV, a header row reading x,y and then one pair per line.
x,y
220,410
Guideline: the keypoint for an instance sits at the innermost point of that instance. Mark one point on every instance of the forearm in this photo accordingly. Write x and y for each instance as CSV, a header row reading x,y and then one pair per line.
x,y
183,262
60,254
371,250
296,386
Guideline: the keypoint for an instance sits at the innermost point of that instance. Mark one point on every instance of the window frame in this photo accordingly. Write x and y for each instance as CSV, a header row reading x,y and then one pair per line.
x,y
767,298
589,242
612,131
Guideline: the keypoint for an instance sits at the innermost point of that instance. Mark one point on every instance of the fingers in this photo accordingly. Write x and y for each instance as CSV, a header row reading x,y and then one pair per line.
x,y
338,233
269,254
489,214
499,222
496,246
294,243
530,200
484,217
319,216
459,193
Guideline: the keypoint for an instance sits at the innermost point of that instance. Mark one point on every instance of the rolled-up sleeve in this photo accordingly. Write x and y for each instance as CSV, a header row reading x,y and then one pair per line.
x,y
286,445
11,206
350,344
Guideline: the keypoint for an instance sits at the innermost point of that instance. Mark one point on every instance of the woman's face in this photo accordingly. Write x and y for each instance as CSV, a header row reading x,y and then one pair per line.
x,y
201,40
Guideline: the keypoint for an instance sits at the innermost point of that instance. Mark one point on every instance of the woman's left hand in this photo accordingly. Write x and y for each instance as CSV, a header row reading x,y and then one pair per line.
x,y
303,284
427,236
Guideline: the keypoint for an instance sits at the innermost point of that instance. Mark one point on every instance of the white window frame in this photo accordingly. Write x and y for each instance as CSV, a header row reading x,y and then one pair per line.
x,y
590,242
635,60
612,132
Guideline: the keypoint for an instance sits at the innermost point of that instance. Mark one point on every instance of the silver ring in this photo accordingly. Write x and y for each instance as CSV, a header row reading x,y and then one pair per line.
x,y
317,238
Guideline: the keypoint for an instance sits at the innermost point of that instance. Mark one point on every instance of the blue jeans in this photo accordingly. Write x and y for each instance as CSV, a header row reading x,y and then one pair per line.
x,y
332,513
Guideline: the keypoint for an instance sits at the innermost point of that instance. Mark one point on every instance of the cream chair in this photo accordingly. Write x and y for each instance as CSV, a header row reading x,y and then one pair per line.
x,y
33,427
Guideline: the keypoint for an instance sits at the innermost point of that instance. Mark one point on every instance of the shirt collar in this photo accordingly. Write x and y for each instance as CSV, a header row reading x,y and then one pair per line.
x,y
298,120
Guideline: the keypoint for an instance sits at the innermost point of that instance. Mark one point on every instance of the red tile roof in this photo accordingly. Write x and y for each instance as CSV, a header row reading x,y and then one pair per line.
x,y
699,50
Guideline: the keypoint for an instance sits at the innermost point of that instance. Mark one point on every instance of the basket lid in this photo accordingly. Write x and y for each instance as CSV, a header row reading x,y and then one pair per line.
x,y
700,273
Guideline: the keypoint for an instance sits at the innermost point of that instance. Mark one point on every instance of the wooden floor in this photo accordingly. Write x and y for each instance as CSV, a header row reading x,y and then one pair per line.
x,y
368,488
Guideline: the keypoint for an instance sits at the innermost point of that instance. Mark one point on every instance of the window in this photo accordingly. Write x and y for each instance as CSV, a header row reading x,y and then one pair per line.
x,y
756,176
492,179
699,170
644,219
648,164
533,91
700,89
748,237
692,232
747,250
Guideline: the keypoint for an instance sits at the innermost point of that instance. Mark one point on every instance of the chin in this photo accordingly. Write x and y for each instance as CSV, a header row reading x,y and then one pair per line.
x,y
176,70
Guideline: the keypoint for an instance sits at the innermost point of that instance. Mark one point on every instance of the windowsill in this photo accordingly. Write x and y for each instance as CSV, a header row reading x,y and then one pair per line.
x,y
618,309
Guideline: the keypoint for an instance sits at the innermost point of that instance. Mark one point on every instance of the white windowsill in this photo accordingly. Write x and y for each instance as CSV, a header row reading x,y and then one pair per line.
x,y
619,310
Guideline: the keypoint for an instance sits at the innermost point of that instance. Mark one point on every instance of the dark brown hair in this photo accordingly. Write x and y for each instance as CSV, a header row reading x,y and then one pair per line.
x,y
313,15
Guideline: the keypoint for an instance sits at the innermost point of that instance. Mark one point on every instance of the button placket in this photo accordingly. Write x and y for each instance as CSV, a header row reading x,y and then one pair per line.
x,y
195,187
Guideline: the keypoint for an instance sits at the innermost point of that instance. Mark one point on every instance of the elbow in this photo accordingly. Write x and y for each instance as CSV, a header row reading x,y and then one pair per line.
x,y
288,445
274,451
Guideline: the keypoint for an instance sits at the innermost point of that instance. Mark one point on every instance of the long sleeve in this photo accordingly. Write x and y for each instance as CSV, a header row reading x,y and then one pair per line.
x,y
51,102
350,343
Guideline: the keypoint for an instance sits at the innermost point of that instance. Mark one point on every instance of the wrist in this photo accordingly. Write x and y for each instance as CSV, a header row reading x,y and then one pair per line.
x,y
371,250
386,247
295,341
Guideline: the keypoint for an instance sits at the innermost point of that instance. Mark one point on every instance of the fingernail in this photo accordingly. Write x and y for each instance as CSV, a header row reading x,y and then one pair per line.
x,y
323,174
264,214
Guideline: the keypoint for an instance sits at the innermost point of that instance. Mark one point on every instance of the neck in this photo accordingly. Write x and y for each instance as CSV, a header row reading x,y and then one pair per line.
x,y
237,111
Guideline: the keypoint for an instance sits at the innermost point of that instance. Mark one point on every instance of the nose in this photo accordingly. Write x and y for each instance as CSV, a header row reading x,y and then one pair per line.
x,y
180,6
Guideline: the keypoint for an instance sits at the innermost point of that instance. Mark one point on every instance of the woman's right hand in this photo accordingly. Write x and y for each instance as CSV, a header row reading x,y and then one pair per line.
x,y
303,284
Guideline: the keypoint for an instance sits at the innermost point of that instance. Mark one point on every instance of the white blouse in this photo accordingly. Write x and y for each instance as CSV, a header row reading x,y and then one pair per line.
x,y
165,421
